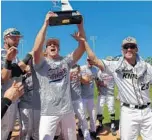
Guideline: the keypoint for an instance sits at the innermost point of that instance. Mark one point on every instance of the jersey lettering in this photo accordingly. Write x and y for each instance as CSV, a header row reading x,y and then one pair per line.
x,y
129,76
56,74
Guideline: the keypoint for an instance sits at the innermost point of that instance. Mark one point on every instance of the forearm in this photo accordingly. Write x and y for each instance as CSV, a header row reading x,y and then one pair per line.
x,y
79,51
6,71
23,64
81,31
38,45
93,57
90,53
5,75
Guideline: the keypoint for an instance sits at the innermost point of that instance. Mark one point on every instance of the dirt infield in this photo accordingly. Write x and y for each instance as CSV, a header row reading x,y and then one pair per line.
x,y
104,135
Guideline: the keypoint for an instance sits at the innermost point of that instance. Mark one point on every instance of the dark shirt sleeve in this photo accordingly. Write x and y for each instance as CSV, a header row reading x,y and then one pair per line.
x,y
16,70
5,103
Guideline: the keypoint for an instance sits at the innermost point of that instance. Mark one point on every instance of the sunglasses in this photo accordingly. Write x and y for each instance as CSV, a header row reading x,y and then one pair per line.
x,y
54,43
131,46
15,33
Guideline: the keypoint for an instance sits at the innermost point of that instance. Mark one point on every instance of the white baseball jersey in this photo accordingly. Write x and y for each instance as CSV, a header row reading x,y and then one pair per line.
x,y
88,89
108,81
54,85
133,82
75,84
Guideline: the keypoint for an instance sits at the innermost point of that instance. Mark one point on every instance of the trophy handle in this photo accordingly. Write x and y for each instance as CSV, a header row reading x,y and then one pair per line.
x,y
56,4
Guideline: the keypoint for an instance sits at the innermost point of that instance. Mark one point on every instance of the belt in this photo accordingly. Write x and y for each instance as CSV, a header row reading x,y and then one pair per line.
x,y
136,106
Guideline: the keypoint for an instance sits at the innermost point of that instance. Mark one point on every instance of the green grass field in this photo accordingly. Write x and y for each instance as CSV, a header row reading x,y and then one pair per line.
x,y
117,106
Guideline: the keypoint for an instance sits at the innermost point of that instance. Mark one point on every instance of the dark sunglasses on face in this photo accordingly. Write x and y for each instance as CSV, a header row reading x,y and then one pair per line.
x,y
131,46
55,44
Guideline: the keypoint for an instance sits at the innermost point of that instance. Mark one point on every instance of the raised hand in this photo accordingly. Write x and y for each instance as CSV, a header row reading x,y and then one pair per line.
x,y
77,37
48,16
11,53
91,62
15,91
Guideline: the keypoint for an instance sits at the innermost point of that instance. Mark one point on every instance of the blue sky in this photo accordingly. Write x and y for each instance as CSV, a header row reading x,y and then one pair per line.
x,y
110,22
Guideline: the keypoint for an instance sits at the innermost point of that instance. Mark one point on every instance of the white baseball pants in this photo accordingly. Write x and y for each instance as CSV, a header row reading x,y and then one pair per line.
x,y
106,99
134,122
29,123
79,111
48,126
89,106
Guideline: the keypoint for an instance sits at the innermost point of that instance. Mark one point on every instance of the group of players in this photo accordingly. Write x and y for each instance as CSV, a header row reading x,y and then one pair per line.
x,y
56,89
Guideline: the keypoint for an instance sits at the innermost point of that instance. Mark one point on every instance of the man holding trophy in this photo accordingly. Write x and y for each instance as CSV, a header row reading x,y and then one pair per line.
x,y
66,16
54,81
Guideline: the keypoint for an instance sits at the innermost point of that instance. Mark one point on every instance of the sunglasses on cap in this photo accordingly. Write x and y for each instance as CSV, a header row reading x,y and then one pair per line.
x,y
131,46
15,33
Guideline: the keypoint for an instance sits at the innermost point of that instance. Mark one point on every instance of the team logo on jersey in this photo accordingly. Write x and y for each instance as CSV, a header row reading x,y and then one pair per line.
x,y
107,78
56,74
128,74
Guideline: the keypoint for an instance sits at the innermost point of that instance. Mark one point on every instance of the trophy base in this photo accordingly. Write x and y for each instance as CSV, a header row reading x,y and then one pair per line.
x,y
65,18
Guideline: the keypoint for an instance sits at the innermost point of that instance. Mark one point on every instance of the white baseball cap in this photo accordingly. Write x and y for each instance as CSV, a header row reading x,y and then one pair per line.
x,y
129,40
12,32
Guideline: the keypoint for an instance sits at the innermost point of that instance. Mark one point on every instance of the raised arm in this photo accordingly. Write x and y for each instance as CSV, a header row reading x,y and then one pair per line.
x,y
93,59
80,37
40,38
7,69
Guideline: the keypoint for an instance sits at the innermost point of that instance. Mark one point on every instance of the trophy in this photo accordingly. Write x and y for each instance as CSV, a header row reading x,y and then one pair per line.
x,y
66,15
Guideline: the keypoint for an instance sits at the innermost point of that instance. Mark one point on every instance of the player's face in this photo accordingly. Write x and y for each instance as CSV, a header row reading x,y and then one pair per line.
x,y
74,73
12,40
89,63
52,50
129,51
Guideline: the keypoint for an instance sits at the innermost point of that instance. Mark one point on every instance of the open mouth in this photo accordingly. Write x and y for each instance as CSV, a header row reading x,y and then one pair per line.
x,y
52,50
